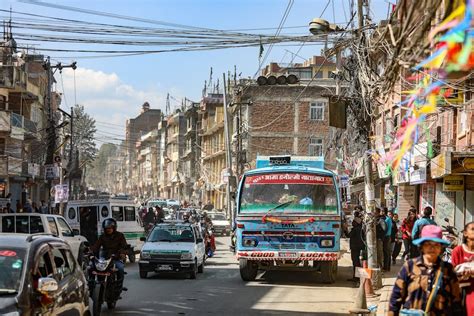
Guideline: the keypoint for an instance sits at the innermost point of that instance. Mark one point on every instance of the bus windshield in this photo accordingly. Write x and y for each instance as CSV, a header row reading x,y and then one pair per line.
x,y
289,193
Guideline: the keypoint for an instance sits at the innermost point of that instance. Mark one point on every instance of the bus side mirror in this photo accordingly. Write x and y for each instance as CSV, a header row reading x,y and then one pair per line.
x,y
76,232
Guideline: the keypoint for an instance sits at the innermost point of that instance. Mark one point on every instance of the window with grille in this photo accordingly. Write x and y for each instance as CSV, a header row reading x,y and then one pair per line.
x,y
315,147
316,111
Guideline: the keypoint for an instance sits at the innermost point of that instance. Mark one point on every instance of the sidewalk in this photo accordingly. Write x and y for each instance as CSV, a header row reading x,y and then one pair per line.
x,y
388,279
387,284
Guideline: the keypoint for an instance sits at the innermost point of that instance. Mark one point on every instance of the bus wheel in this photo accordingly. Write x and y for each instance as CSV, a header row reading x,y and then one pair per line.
x,y
328,271
248,270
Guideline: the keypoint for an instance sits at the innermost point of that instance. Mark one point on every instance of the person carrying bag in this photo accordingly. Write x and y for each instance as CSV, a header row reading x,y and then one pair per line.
x,y
426,285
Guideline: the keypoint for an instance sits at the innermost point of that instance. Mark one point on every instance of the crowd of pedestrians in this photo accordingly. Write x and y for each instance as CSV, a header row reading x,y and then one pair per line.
x,y
28,207
425,284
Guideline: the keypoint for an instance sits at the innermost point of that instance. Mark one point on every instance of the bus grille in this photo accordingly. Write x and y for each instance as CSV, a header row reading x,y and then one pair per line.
x,y
287,246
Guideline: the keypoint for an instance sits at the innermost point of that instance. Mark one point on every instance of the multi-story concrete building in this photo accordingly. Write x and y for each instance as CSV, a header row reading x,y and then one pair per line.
x,y
135,128
287,118
176,128
162,156
191,154
213,159
23,118
439,170
147,164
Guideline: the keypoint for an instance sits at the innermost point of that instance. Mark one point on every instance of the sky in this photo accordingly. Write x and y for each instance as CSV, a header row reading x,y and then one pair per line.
x,y
113,89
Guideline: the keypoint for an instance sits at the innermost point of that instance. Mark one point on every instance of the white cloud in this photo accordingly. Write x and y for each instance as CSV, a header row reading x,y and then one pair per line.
x,y
107,98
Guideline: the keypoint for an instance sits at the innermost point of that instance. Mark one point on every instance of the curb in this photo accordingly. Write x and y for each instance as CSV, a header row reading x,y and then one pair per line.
x,y
385,291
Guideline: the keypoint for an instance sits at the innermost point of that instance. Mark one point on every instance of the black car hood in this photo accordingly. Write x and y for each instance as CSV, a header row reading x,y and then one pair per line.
x,y
8,304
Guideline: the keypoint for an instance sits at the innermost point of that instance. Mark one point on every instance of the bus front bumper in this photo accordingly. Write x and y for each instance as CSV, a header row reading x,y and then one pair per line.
x,y
288,255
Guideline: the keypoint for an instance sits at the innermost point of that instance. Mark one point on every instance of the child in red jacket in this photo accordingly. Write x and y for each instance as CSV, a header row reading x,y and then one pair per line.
x,y
463,262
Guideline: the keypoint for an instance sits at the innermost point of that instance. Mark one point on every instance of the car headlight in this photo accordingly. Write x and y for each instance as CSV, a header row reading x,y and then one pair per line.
x,y
145,255
186,256
102,264
326,243
249,242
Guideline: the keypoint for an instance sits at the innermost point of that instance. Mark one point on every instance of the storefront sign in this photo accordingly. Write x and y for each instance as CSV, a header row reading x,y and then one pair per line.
x,y
441,165
453,183
51,172
406,198
61,193
427,195
468,163
418,164
344,181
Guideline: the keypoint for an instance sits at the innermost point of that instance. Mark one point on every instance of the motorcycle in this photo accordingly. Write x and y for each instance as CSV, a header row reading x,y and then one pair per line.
x,y
103,283
450,234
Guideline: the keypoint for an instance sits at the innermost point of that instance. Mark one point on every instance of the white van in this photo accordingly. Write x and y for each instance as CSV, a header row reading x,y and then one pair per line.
x,y
87,216
35,223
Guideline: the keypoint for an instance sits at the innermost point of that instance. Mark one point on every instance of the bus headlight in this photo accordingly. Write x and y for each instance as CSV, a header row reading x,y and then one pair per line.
x,y
249,242
327,243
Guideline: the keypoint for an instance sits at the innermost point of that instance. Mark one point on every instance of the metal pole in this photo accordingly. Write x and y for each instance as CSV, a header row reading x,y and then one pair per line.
x,y
228,149
51,133
370,216
70,153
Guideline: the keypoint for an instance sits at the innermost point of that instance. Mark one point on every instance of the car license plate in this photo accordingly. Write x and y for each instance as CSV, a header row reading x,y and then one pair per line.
x,y
165,267
288,254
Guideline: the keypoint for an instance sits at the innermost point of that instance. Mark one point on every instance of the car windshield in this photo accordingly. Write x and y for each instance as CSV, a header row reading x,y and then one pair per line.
x,y
172,234
11,263
217,217
288,193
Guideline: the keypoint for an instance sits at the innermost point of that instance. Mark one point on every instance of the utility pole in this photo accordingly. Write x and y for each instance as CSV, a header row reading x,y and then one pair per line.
x,y
51,147
228,150
370,216
51,137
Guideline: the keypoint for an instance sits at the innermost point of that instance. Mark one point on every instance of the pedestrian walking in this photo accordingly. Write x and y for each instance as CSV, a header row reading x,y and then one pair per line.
x,y
380,230
419,224
387,241
463,262
427,285
407,228
398,237
356,243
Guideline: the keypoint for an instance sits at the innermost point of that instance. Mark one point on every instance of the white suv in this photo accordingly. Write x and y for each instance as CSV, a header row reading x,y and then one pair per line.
x,y
35,223
174,248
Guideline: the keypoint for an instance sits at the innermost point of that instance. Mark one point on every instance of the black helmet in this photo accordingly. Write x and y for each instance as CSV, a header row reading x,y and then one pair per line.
x,y
150,209
109,222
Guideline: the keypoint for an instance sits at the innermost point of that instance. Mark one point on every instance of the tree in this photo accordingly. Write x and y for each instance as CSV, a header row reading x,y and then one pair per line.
x,y
83,138
96,175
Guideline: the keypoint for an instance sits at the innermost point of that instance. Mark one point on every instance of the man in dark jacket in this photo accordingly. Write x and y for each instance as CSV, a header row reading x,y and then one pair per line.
x,y
356,242
380,232
114,244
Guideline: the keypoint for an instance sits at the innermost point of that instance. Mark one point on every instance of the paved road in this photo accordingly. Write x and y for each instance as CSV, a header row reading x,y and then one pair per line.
x,y
220,291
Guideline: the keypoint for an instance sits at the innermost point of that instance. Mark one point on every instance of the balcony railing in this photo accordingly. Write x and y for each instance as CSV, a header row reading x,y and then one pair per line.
x,y
20,121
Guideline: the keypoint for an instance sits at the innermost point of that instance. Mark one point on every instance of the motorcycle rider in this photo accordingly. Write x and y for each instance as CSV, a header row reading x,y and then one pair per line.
x,y
114,244
149,219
